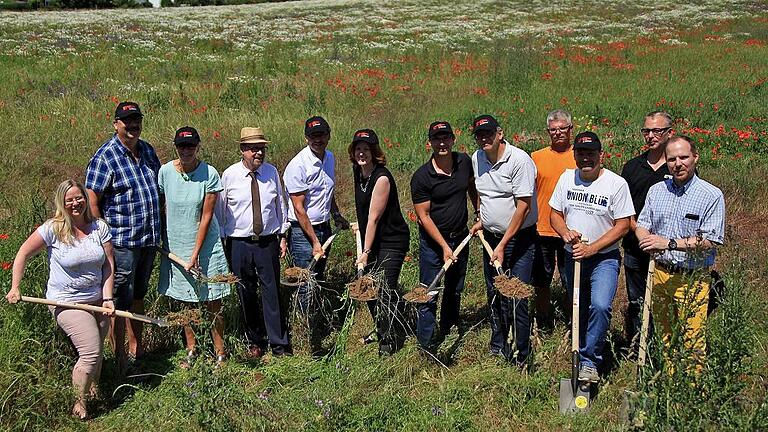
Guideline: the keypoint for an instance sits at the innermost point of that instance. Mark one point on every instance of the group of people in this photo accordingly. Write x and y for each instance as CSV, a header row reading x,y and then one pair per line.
x,y
539,212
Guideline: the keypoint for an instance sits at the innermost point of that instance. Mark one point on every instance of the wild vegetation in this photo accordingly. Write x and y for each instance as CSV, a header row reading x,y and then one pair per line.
x,y
394,67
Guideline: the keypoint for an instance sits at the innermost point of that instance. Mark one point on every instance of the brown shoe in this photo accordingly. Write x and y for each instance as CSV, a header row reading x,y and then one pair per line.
x,y
254,352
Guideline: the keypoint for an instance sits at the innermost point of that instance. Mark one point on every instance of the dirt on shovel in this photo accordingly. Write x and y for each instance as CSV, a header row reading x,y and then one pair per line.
x,y
363,289
296,275
418,295
185,317
512,287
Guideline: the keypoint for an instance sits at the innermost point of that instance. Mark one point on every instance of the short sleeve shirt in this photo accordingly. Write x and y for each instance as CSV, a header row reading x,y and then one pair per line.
x,y
308,173
592,207
550,165
694,209
130,200
75,268
447,194
499,185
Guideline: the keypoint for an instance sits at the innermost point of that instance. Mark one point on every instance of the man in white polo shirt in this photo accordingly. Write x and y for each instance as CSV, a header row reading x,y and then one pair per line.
x,y
310,179
593,204
251,211
505,178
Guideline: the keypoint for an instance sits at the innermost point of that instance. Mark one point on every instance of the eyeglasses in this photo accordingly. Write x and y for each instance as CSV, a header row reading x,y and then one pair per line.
x,y
253,148
186,145
655,131
560,129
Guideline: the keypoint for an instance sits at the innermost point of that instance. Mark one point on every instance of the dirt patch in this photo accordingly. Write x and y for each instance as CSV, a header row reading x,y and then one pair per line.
x,y
363,289
185,317
227,278
296,275
417,295
512,287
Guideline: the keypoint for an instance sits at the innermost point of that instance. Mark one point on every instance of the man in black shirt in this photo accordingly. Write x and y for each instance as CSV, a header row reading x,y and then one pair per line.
x,y
641,173
439,192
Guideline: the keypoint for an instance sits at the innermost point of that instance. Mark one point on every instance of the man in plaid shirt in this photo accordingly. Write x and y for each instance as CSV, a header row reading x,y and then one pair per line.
x,y
121,179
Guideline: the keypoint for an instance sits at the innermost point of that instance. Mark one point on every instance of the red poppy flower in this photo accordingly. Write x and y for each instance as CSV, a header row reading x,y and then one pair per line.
x,y
6,265
4,236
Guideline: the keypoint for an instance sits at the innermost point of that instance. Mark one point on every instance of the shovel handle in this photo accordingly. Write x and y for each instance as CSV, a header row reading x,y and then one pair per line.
x,y
642,354
489,250
358,245
327,244
91,308
576,300
181,262
457,251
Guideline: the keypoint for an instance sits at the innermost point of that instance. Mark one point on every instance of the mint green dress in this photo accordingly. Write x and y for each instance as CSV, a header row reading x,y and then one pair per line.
x,y
184,195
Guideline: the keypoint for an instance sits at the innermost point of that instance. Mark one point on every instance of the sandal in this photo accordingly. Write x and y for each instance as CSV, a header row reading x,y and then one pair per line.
x,y
187,361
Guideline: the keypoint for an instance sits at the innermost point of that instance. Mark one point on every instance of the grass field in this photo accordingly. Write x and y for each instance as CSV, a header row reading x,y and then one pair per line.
x,y
394,67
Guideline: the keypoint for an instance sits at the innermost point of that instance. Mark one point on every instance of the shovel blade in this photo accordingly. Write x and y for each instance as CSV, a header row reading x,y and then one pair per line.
x,y
573,403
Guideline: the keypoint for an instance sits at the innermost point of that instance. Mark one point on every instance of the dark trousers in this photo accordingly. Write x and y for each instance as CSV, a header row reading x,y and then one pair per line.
x,y
509,313
550,252
636,272
257,264
387,310
430,262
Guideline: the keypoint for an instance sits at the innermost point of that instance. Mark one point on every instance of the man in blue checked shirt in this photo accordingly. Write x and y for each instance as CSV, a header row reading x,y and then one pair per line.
x,y
121,179
682,222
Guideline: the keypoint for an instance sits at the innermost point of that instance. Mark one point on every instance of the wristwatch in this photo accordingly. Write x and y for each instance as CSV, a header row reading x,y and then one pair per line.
x,y
672,245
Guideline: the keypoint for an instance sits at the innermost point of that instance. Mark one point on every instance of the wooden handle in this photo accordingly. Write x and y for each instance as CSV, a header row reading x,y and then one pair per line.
x,y
496,263
575,309
180,261
358,244
327,243
457,251
91,308
642,354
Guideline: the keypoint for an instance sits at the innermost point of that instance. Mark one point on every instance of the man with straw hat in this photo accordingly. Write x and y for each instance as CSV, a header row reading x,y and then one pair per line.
x,y
252,214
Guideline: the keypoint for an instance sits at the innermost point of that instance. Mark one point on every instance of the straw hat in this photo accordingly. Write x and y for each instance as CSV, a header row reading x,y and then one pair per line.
x,y
252,135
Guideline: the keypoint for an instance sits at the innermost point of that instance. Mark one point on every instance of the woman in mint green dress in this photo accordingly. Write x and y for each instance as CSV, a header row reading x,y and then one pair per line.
x,y
190,187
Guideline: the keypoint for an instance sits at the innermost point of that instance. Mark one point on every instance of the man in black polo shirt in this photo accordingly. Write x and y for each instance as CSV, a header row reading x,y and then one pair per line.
x,y
641,173
439,192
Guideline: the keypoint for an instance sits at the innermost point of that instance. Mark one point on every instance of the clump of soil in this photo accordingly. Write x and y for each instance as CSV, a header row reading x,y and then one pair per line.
x,y
418,295
185,317
512,287
296,275
227,278
363,289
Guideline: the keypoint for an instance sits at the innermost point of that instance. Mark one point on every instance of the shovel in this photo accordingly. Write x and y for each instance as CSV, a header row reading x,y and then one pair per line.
x,y
314,261
195,272
574,396
642,353
432,288
359,246
91,308
489,250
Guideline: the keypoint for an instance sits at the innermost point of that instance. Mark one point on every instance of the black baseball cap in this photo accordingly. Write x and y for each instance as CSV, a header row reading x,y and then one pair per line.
x,y
127,109
483,123
587,141
439,127
316,124
186,135
367,136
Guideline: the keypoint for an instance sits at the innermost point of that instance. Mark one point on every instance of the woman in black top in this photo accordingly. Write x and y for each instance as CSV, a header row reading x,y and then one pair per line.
x,y
384,234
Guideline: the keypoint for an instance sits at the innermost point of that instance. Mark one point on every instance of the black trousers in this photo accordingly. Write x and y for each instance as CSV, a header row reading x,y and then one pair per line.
x,y
387,309
257,264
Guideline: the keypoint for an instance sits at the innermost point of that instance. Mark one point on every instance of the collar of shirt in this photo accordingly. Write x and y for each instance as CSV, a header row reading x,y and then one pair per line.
x,y
681,190
247,173
124,149
504,157
433,171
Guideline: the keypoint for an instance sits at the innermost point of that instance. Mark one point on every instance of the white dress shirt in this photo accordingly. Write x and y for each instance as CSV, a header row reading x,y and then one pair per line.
x,y
234,208
307,173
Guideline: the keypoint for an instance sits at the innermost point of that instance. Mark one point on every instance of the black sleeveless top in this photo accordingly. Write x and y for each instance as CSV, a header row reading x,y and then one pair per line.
x,y
392,231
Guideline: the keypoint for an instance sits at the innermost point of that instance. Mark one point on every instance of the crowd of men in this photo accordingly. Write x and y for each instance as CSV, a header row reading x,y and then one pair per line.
x,y
539,212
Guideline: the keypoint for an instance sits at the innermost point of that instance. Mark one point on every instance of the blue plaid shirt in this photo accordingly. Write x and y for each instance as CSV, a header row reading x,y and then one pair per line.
x,y
130,202
695,209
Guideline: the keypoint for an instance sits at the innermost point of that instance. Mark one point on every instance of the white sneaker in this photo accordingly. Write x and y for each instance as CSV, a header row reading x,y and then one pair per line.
x,y
588,373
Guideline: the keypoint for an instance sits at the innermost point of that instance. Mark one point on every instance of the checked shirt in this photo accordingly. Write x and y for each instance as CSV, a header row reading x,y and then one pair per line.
x,y
130,200
694,209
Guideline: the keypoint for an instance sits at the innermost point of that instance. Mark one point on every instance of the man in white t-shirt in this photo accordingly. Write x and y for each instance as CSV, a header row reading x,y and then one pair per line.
x,y
505,179
591,211
309,179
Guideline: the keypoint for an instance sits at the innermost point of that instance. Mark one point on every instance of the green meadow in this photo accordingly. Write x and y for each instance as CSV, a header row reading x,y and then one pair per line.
x,y
394,67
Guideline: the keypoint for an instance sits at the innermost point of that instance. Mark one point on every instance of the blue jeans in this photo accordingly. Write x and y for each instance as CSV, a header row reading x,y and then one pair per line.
x,y
506,312
599,279
430,263
133,266
301,253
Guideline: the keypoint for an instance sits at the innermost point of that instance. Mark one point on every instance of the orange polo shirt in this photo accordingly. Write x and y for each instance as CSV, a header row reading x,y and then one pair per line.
x,y
550,165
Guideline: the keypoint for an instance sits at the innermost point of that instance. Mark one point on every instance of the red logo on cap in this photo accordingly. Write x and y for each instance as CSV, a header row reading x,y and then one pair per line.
x,y
439,126
363,135
185,134
481,122
129,108
585,139
314,123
